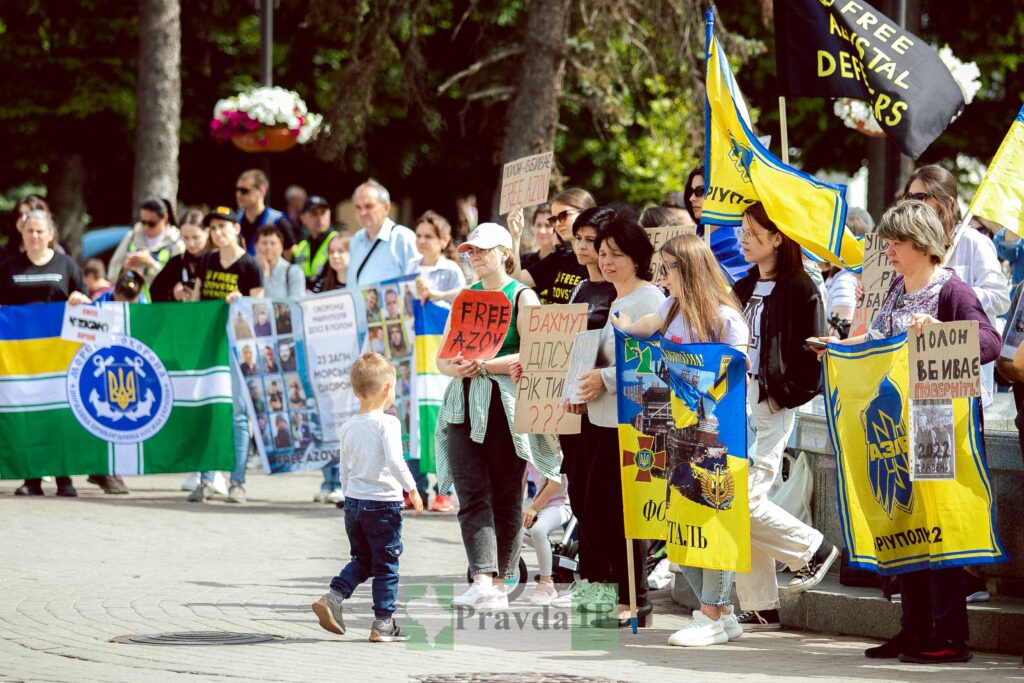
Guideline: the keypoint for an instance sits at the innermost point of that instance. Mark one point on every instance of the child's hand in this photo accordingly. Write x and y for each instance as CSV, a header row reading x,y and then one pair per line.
x,y
417,503
529,517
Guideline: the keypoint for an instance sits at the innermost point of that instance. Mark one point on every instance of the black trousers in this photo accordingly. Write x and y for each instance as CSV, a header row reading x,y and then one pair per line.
x,y
602,509
933,604
1018,399
575,467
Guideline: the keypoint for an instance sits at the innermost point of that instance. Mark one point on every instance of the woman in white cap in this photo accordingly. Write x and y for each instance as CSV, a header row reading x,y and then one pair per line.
x,y
478,409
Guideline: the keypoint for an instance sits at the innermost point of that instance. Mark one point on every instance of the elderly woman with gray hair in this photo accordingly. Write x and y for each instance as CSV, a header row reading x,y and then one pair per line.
x,y
934,621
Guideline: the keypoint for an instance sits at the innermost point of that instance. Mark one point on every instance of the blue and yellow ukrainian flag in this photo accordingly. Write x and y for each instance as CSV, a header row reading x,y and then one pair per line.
x,y
740,171
428,383
889,523
1000,197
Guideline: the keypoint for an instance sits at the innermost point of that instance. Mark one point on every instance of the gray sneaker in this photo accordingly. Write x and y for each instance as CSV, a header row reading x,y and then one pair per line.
x,y
328,610
386,631
201,493
236,494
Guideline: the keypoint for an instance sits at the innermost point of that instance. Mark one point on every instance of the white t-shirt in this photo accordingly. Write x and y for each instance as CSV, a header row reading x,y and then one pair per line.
x,y
736,331
372,465
840,290
443,276
752,312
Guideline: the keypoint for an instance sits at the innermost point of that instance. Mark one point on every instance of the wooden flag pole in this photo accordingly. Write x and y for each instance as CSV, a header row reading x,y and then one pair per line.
x,y
632,585
784,129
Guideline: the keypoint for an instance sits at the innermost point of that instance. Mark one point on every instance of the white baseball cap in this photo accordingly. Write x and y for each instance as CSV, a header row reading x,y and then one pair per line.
x,y
487,236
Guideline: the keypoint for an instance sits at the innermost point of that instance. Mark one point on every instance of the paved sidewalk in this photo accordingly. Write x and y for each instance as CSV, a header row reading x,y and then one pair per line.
x,y
76,573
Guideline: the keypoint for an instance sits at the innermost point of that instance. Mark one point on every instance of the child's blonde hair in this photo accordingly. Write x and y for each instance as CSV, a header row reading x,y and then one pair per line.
x,y
370,373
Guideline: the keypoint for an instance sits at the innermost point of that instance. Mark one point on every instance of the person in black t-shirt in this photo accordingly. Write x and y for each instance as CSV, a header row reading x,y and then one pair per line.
x,y
177,279
559,272
594,291
41,275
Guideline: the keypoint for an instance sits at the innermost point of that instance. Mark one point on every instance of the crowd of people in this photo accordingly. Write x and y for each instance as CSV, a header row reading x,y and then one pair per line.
x,y
572,250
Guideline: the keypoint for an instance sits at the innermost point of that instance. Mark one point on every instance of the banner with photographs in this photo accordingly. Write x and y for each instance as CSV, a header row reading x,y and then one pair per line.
x,y
390,328
295,359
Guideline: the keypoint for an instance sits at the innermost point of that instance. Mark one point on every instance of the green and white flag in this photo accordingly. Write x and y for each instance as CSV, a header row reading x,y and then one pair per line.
x,y
153,395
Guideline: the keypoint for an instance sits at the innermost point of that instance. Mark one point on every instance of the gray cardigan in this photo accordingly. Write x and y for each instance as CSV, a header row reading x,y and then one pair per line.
x,y
286,281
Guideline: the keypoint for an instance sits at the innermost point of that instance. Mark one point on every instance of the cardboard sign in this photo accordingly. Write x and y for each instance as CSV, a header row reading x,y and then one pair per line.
x,y
876,279
932,447
662,234
524,182
87,324
583,358
544,354
480,320
945,361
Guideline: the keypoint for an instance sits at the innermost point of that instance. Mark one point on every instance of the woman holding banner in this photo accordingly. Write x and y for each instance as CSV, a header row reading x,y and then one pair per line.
x,y
783,308
934,621
559,272
624,256
699,309
475,446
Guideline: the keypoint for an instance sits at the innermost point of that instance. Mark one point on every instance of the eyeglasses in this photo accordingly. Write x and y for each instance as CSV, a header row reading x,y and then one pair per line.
x,y
666,266
150,224
747,235
243,190
560,217
698,191
918,196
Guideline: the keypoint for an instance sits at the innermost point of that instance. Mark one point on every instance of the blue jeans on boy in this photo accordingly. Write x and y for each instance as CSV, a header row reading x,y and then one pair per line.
x,y
241,428
374,531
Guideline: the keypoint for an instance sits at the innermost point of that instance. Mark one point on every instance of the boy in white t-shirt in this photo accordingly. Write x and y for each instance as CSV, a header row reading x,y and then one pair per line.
x,y
373,476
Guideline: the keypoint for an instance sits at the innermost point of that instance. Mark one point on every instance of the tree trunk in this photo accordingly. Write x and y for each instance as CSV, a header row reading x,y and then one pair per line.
x,y
158,101
66,198
533,112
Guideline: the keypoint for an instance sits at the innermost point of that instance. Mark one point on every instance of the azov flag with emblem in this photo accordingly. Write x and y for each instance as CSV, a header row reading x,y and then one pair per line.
x,y
155,398
891,524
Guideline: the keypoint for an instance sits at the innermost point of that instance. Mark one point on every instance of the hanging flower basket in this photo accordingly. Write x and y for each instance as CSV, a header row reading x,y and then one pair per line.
x,y
273,139
264,120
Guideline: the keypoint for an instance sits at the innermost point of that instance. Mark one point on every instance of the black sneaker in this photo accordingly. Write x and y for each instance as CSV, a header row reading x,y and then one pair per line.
x,y
31,487
936,652
764,620
386,631
811,575
66,488
890,649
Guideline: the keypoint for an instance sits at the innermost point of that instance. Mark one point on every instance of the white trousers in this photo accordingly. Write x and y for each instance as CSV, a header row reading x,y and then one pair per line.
x,y
774,533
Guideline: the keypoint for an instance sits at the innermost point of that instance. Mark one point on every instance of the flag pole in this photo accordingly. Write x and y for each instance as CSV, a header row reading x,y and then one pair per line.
x,y
784,129
632,585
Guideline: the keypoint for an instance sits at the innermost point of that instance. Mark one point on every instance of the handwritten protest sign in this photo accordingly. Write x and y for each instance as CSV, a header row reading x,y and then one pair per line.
x,y
87,324
583,358
945,361
479,322
524,182
662,234
544,354
876,279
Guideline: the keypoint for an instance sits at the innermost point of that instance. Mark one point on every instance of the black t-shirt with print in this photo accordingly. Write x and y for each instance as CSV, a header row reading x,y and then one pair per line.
x,y
23,282
558,273
598,297
217,281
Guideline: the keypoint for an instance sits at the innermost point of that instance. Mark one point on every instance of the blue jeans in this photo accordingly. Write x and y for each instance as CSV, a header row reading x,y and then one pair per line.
x,y
332,478
374,531
241,428
711,586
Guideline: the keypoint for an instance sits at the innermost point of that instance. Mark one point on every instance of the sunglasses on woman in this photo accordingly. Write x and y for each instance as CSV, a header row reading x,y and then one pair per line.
x,y
918,196
698,191
560,217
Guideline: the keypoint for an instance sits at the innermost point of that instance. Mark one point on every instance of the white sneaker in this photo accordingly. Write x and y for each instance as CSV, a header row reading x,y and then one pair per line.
x,y
335,496
731,624
191,483
700,632
219,484
572,597
482,597
543,594
660,577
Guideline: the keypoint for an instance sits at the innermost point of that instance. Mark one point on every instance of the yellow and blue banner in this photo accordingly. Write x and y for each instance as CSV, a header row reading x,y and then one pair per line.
x,y
740,171
1000,197
891,524
708,513
149,401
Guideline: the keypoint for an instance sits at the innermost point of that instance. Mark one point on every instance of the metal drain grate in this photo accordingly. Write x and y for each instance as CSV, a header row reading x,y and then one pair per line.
x,y
197,638
510,677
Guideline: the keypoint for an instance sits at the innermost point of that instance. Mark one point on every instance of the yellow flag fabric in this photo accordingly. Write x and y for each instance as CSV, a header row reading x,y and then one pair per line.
x,y
683,449
1000,197
891,524
740,171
